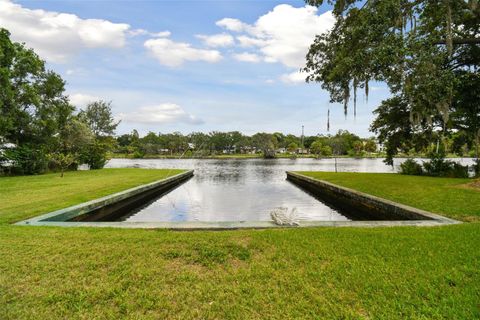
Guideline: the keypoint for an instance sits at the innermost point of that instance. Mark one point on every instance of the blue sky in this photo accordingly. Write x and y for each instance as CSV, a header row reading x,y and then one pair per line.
x,y
188,65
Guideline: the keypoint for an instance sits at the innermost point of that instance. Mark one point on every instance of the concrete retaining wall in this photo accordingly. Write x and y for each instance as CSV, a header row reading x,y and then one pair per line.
x,y
374,208
102,208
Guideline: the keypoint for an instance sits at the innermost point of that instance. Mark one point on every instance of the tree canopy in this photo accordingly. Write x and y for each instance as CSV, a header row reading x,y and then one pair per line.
x,y
37,119
427,52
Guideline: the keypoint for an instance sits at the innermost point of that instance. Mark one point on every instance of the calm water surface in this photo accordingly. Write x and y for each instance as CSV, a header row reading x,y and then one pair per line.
x,y
242,190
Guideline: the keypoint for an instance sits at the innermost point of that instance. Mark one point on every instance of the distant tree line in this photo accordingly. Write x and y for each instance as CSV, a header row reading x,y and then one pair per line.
x,y
200,144
343,143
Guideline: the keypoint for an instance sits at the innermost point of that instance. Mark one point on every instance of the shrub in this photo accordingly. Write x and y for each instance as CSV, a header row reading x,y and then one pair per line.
x,y
439,167
411,167
476,168
458,171
326,151
138,154
95,155
25,160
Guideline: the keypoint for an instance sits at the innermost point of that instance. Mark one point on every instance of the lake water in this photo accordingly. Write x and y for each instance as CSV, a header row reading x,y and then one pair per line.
x,y
243,190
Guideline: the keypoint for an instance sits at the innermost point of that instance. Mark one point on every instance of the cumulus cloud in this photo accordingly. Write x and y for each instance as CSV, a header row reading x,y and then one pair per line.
x,y
232,24
247,57
217,40
246,41
283,34
174,54
161,34
81,100
165,113
143,32
57,36
294,77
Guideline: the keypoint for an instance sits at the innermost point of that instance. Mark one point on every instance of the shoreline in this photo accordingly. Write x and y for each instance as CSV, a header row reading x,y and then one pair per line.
x,y
247,157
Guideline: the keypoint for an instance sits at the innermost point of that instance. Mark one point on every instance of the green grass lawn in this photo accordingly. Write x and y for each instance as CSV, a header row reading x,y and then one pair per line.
x,y
318,273
451,197
28,196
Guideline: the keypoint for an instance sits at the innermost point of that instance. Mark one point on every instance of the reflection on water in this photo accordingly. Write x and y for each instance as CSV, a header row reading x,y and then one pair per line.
x,y
242,190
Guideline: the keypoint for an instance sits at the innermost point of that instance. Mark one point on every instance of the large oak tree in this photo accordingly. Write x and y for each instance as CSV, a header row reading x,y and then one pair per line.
x,y
427,52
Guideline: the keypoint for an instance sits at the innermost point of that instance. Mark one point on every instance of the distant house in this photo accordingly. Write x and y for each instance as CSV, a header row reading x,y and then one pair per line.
x,y
3,147
380,147
229,150
302,151
281,150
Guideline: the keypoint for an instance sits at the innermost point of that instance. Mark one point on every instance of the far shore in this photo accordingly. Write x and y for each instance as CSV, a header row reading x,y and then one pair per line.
x,y
278,156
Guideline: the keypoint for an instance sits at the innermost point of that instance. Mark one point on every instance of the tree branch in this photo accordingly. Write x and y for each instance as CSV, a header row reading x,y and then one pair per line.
x,y
460,41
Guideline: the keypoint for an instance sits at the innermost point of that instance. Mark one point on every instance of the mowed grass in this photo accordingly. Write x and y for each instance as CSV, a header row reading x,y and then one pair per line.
x,y
456,198
27,196
318,273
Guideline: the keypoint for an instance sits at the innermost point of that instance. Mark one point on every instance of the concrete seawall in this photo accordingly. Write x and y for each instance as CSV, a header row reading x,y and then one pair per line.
x,y
103,208
374,208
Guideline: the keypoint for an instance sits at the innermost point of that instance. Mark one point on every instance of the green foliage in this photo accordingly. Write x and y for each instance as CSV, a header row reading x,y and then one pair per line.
x,y
95,154
476,168
370,146
138,154
292,147
425,51
326,151
234,143
411,167
26,159
36,117
316,147
394,128
62,160
265,142
98,116
465,115
439,167
33,107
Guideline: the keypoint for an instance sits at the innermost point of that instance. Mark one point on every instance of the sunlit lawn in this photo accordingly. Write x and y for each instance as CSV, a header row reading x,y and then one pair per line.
x,y
318,273
456,198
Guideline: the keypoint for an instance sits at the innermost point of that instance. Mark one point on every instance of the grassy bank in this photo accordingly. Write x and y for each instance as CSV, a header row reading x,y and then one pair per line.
x,y
327,273
456,198
28,196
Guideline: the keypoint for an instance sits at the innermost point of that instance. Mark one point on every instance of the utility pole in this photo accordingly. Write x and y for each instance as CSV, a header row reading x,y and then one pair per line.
x,y
302,138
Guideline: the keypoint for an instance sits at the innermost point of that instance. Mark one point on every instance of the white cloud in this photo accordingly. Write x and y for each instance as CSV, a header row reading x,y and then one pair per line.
x,y
246,41
81,100
247,57
58,36
161,34
217,40
232,24
143,32
283,34
174,54
137,32
294,77
165,113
